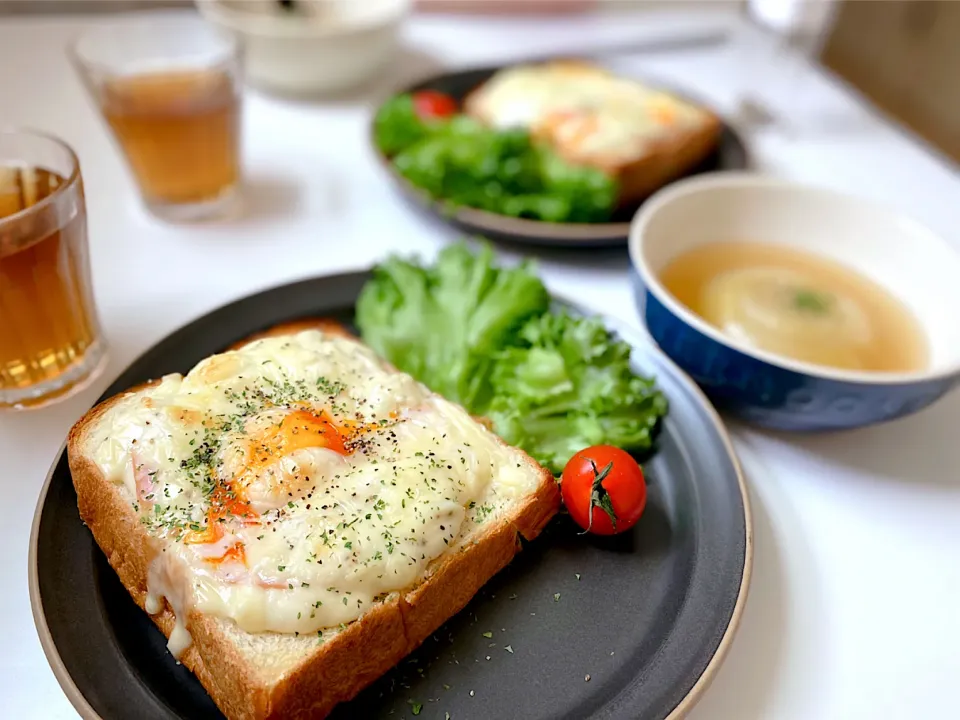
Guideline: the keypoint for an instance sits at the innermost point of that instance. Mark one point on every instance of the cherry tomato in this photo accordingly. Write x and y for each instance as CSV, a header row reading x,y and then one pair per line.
x,y
433,104
604,490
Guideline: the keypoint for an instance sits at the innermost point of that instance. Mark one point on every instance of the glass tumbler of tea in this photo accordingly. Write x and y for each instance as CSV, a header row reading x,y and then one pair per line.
x,y
50,340
169,88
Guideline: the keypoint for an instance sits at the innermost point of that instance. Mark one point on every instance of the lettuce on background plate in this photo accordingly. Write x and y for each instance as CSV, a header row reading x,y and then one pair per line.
x,y
461,162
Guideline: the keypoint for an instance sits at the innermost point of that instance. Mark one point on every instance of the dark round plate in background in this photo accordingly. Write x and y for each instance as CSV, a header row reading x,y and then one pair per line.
x,y
580,627
730,154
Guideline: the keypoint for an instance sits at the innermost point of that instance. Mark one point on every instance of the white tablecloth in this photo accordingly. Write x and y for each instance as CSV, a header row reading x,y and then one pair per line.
x,y
853,608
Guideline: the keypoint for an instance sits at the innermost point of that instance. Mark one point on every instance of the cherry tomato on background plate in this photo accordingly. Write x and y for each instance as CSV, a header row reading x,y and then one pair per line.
x,y
604,490
434,104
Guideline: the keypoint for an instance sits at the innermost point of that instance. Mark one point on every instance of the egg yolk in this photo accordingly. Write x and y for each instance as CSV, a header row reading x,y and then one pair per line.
x,y
298,430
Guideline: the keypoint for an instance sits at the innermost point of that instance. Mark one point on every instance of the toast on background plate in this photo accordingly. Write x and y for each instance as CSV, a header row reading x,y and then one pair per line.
x,y
297,516
642,137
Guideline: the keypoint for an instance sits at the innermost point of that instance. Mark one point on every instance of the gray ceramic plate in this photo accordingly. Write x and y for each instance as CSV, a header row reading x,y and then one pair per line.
x,y
730,154
629,627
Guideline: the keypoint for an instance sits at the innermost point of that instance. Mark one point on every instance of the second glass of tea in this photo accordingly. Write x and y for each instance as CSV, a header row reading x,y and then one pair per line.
x,y
170,91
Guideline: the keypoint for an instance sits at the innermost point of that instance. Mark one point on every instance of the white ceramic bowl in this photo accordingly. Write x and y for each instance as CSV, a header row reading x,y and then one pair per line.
x,y
328,46
921,269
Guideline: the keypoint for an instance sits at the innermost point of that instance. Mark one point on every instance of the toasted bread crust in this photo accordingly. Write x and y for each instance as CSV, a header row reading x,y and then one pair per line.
x,y
669,159
343,665
665,160
292,327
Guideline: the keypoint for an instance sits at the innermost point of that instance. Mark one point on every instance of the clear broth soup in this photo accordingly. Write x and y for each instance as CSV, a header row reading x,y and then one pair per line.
x,y
798,305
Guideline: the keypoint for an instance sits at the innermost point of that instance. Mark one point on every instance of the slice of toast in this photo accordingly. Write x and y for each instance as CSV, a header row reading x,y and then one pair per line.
x,y
281,675
640,136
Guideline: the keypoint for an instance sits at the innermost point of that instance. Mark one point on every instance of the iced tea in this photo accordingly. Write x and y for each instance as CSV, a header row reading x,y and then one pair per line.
x,y
49,336
179,131
169,88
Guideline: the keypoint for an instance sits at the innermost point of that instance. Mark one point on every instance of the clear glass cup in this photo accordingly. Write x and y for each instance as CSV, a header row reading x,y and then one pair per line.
x,y
781,41
50,340
169,88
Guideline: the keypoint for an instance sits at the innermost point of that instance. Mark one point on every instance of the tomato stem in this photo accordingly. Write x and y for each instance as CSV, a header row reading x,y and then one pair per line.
x,y
599,497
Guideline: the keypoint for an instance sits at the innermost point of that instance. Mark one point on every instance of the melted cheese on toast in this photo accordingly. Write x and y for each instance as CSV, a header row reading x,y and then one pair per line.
x,y
292,483
583,110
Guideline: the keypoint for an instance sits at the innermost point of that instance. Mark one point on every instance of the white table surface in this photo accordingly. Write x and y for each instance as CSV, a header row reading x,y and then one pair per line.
x,y
853,607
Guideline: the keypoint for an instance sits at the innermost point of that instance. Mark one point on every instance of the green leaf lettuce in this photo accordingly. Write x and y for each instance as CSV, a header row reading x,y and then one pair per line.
x,y
460,161
445,324
552,383
568,385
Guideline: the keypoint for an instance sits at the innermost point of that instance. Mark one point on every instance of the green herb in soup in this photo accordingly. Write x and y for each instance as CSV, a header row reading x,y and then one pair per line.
x,y
812,301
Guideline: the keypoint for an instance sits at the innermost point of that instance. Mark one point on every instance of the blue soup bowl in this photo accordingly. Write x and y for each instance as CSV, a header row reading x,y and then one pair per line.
x,y
915,265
